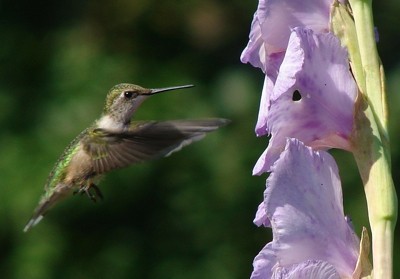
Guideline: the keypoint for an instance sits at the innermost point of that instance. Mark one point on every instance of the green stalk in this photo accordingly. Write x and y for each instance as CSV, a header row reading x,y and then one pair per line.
x,y
374,167
370,138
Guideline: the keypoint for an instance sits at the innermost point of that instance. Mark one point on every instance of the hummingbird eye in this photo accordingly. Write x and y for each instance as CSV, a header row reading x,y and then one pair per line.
x,y
130,94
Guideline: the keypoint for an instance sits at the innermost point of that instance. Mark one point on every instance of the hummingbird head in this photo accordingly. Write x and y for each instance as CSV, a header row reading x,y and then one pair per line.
x,y
124,99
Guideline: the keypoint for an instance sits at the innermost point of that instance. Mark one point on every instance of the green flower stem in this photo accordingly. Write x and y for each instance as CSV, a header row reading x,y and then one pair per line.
x,y
370,138
363,19
374,168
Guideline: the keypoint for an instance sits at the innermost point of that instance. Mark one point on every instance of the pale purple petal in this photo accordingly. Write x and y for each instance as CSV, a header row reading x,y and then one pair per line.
x,y
264,263
307,270
275,60
255,51
278,17
272,24
303,201
261,218
313,97
269,156
266,266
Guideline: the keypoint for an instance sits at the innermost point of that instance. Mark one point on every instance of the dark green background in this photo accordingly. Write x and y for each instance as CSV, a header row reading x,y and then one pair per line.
x,y
186,216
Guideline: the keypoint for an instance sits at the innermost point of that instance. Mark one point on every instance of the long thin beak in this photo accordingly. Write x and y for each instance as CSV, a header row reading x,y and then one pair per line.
x,y
159,90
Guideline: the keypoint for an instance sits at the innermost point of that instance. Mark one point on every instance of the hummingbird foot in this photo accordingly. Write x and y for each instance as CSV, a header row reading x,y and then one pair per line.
x,y
92,191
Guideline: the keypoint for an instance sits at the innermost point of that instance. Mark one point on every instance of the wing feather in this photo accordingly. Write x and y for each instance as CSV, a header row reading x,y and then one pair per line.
x,y
144,141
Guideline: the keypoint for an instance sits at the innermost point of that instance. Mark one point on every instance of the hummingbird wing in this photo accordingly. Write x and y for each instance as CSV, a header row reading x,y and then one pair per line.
x,y
144,141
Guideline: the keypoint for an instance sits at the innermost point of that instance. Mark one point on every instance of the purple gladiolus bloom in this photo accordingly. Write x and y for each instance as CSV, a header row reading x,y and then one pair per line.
x,y
303,203
312,99
272,24
269,36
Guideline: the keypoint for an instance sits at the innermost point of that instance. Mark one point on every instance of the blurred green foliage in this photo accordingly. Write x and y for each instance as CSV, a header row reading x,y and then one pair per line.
x,y
186,216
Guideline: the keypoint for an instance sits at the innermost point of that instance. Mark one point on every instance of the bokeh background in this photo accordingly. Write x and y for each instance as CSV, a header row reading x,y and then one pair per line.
x,y
186,216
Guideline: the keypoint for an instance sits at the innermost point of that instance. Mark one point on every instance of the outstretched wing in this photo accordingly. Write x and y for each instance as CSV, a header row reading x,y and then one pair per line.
x,y
144,141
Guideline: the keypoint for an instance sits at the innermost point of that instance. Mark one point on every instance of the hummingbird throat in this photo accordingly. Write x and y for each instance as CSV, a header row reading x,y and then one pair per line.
x,y
107,122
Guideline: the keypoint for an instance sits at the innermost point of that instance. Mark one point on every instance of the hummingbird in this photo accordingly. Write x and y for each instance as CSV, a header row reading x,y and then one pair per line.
x,y
115,141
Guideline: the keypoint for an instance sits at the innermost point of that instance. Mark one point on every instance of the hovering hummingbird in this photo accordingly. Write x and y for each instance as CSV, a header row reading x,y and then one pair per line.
x,y
114,141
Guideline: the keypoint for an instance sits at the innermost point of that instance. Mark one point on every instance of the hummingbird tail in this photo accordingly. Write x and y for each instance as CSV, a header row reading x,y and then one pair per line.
x,y
33,222
44,205
38,214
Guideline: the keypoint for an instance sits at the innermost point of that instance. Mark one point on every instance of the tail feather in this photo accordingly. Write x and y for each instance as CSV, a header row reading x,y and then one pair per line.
x,y
38,214
33,222
45,204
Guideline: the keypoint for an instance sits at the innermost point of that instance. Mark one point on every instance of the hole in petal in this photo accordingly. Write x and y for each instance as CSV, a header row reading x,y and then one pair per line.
x,y
296,96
